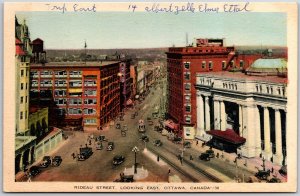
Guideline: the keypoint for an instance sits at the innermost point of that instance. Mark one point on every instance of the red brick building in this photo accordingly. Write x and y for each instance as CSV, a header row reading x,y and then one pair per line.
x,y
209,55
90,90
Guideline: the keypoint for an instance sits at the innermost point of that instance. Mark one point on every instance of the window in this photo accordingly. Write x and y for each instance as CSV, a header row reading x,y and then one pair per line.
x,y
188,97
75,111
75,101
75,83
188,119
26,99
89,111
89,121
203,64
267,89
187,75
90,92
224,64
46,83
60,83
22,73
187,86
27,72
188,108
278,90
60,92
232,63
60,74
21,100
60,101
26,86
22,86
90,83
34,74
21,115
271,90
25,114
46,73
210,65
187,65
241,63
90,101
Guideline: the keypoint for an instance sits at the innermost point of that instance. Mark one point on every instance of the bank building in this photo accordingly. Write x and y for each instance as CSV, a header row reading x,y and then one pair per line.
x,y
245,112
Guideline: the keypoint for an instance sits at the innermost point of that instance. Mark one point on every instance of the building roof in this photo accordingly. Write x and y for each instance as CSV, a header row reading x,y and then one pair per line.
x,y
243,77
270,63
75,64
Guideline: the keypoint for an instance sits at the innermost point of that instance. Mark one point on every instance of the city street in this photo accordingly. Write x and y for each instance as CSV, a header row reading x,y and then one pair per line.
x,y
99,167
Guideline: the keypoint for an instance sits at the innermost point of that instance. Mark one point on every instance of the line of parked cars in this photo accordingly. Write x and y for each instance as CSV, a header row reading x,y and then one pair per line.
x,y
46,162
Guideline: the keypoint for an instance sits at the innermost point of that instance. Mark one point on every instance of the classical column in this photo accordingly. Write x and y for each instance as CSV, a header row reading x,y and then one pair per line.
x,y
207,114
217,114
200,114
278,139
267,142
241,120
258,132
249,130
223,116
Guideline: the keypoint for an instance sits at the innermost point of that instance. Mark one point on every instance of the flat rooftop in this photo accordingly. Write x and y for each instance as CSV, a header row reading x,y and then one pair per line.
x,y
74,64
243,76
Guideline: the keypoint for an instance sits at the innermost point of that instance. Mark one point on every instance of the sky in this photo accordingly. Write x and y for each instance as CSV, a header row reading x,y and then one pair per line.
x,y
109,30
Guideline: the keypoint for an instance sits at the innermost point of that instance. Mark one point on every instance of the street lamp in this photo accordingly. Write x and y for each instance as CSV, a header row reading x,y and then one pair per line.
x,y
135,150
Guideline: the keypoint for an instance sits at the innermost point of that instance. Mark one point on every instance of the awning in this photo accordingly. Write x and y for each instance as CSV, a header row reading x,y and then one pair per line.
x,y
75,90
129,102
229,135
171,124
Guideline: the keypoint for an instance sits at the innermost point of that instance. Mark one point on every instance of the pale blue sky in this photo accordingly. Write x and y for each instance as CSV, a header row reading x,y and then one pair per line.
x,y
146,30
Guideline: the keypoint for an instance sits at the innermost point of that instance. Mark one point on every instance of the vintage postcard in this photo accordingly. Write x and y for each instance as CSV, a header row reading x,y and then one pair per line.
x,y
150,97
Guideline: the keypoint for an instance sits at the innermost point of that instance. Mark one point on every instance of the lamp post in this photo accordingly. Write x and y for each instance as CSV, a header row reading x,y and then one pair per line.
x,y
135,150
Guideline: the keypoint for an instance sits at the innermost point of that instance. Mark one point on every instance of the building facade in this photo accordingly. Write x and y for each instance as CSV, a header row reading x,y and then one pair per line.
x,y
248,108
125,82
208,55
90,90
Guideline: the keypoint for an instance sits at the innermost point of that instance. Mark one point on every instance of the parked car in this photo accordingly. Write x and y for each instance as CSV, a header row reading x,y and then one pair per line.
x,y
204,156
45,162
283,170
84,153
125,128
274,180
211,153
127,178
157,143
110,146
34,170
56,161
263,174
144,138
118,126
118,159
187,144
101,138
177,140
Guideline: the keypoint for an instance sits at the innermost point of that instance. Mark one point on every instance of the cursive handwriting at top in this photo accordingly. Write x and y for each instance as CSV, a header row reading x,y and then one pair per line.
x,y
75,8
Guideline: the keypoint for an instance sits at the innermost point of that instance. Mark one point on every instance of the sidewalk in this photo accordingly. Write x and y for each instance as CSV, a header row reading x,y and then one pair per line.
x,y
250,164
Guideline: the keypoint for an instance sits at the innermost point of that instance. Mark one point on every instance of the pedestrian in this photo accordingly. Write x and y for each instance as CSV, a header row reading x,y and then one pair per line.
x,y
86,145
217,155
272,170
191,157
73,155
203,144
157,158
90,142
169,171
181,159
197,142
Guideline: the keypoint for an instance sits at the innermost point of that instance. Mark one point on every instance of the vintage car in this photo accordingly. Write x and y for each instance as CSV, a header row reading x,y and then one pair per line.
x,y
124,128
141,126
118,159
263,174
45,162
187,144
211,153
99,146
84,153
110,146
144,138
204,156
118,126
56,161
177,140
101,138
34,170
157,143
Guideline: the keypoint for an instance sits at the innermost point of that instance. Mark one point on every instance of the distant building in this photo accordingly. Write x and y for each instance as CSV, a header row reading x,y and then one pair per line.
x,y
89,91
207,55
244,112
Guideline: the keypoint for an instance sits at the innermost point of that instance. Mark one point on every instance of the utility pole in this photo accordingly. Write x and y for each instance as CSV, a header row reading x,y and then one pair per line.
x,y
135,150
85,46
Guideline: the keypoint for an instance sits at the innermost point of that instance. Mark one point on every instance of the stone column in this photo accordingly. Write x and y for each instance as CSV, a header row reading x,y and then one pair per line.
x,y
241,120
278,139
200,115
223,116
21,162
217,114
267,151
258,132
249,131
207,114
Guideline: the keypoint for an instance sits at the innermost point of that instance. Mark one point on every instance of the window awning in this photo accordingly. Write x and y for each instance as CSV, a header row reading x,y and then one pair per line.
x,y
171,124
229,135
75,90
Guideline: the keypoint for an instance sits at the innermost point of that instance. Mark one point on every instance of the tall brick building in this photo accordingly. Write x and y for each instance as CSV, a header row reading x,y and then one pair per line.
x,y
208,55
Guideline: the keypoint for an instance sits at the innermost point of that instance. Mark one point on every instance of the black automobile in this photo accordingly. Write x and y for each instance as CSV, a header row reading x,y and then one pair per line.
x,y
157,143
34,170
177,140
263,174
187,144
110,146
144,138
118,126
204,156
56,161
117,160
84,153
101,138
283,170
45,162
211,153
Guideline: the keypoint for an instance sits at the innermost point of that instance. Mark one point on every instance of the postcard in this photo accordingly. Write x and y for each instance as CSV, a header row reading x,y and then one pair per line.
x,y
150,97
